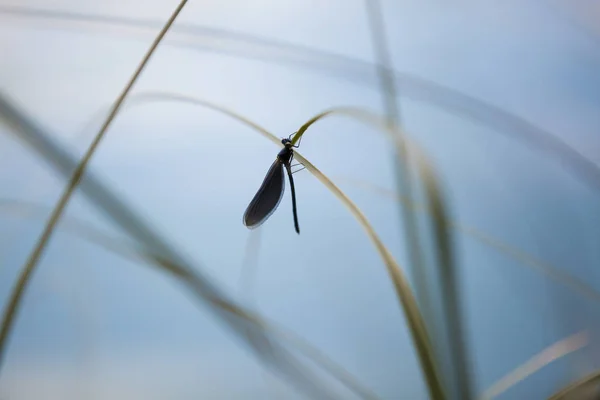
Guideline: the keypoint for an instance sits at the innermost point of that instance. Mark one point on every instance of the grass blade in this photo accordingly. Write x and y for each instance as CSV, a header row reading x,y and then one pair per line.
x,y
417,327
162,253
573,391
455,368
458,365
402,171
20,287
537,362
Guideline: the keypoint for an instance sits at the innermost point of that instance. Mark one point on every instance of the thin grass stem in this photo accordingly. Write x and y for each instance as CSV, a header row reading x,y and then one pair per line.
x,y
590,382
27,270
457,371
557,350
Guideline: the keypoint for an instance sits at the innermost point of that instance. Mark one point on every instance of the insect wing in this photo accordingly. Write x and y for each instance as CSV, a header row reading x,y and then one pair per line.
x,y
267,198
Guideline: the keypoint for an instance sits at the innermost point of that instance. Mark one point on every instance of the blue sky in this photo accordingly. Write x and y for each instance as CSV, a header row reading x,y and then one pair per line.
x,y
95,324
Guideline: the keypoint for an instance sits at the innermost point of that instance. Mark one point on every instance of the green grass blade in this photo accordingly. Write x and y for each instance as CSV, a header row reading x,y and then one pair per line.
x,y
418,329
584,389
557,350
402,171
26,273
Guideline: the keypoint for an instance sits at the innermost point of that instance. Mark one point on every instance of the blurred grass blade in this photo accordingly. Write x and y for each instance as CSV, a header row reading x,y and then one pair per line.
x,y
26,272
522,257
452,359
458,369
420,336
402,170
537,362
431,354
353,70
402,288
234,316
587,388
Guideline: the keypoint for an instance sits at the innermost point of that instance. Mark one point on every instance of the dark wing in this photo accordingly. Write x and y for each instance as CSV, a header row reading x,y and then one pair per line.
x,y
267,198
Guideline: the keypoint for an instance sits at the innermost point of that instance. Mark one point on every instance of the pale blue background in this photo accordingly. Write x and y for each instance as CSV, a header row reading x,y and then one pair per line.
x,y
96,327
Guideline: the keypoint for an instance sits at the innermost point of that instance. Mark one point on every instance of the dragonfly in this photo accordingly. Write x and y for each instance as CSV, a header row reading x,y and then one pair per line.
x,y
269,194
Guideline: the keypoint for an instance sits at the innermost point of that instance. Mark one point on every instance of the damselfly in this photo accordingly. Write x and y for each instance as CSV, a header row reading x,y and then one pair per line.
x,y
270,193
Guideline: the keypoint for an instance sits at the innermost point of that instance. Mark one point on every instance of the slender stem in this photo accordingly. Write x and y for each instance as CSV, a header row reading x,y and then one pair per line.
x,y
29,267
384,62
534,364
403,175
569,392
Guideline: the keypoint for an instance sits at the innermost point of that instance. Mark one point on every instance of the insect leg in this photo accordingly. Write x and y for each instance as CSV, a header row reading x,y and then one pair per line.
x,y
300,140
298,170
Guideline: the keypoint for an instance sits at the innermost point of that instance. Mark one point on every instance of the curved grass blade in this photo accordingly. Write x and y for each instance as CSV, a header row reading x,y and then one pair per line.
x,y
404,182
583,389
403,291
427,352
21,285
549,354
160,252
267,198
